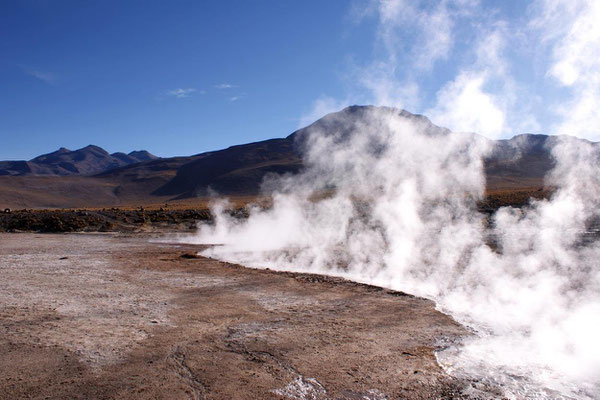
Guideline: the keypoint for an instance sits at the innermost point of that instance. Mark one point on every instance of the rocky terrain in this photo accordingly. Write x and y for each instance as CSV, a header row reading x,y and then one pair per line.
x,y
184,216
103,220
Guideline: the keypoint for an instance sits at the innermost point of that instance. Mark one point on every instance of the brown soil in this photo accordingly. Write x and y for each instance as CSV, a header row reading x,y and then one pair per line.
x,y
103,316
496,198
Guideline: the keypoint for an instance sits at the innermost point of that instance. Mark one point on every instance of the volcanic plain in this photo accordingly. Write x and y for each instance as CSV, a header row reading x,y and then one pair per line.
x,y
138,316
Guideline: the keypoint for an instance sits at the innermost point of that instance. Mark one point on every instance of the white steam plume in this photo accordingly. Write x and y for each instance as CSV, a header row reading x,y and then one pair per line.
x,y
390,201
399,211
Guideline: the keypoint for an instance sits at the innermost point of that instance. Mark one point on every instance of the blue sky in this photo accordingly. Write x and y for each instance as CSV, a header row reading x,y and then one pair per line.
x,y
183,77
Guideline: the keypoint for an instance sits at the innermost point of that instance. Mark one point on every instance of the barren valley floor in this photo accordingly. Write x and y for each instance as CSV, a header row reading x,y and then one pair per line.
x,y
103,316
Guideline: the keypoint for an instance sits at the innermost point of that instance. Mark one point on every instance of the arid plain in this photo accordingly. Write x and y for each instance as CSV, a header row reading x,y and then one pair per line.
x,y
127,316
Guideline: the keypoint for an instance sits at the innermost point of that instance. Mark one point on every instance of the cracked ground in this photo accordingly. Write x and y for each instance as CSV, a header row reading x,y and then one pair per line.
x,y
103,316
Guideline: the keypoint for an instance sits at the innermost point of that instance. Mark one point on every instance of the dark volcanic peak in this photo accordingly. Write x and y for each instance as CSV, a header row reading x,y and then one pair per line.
x,y
134,157
349,119
88,160
361,110
142,155
122,156
241,169
14,168
523,158
64,154
235,170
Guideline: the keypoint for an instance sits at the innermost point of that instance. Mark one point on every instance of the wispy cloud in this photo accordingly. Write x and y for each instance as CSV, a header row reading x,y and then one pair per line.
x,y
225,86
43,76
413,38
465,103
431,28
575,64
181,93
236,98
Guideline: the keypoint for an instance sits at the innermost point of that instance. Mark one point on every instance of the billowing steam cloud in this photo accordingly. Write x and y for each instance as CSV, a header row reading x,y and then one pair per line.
x,y
390,199
539,295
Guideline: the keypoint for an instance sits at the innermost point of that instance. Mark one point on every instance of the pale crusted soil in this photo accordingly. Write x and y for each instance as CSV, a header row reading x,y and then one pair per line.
x,y
116,316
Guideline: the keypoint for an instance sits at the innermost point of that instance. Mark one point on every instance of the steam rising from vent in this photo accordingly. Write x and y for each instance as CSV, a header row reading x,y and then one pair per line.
x,y
390,200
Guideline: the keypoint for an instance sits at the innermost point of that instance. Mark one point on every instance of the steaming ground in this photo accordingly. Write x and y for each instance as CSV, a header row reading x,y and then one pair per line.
x,y
403,216
114,316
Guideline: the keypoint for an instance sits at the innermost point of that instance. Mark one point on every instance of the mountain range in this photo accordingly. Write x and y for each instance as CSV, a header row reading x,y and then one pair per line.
x,y
91,176
88,160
